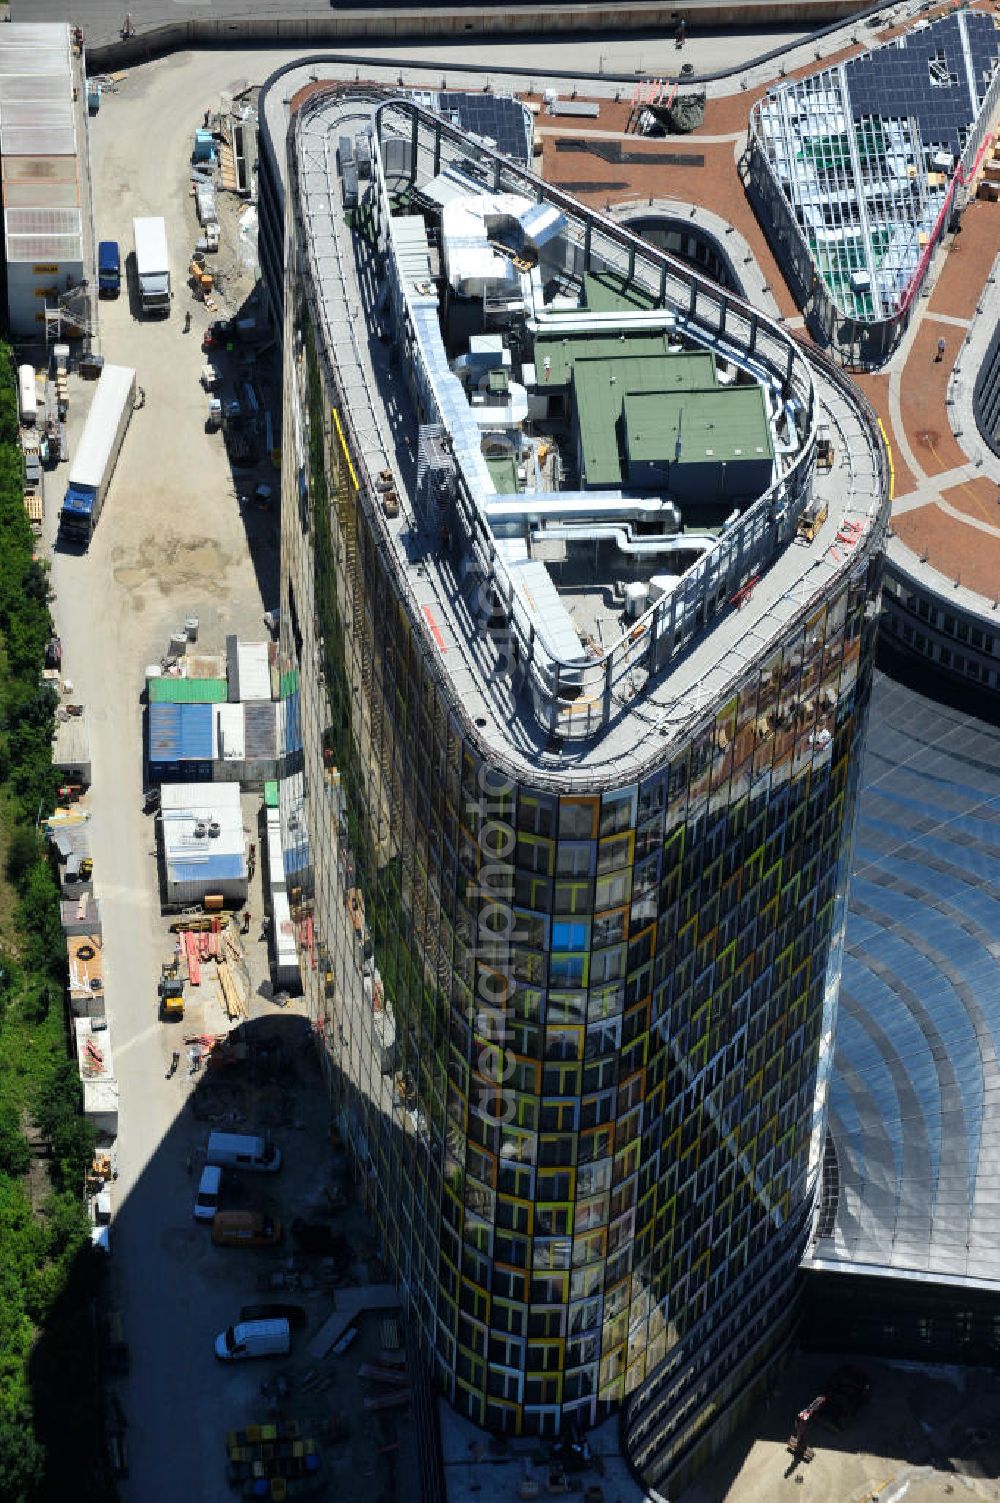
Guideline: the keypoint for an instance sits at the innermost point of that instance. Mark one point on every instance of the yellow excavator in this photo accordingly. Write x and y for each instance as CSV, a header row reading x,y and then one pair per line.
x,y
170,991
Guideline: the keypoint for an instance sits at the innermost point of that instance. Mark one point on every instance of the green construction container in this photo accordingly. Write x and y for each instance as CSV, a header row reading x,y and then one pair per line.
x,y
271,794
187,691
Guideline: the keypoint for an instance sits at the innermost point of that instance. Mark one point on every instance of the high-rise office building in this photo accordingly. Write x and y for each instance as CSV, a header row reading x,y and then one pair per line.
x,y
576,649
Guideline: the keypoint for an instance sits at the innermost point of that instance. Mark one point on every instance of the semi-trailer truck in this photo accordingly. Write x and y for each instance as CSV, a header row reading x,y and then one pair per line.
x,y
91,470
152,265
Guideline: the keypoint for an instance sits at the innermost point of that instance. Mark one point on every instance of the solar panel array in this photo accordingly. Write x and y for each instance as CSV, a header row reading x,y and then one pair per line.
x,y
898,82
496,116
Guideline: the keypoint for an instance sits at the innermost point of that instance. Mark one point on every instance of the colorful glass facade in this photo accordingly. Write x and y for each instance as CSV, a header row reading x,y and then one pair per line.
x,y
577,1035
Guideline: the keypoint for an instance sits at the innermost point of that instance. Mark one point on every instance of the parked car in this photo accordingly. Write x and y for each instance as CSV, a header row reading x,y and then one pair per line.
x,y
245,1229
209,1193
253,1338
294,1314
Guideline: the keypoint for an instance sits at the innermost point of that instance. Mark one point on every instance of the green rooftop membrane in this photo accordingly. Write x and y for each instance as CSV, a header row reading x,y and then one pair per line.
x,y
604,376
607,292
634,431
721,426
564,351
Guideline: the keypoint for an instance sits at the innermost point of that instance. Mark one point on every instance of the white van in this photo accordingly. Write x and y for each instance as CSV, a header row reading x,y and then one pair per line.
x,y
235,1150
253,1338
209,1190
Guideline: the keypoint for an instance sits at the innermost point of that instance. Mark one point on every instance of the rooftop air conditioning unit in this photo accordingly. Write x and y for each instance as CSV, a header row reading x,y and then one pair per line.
x,y
214,830
200,830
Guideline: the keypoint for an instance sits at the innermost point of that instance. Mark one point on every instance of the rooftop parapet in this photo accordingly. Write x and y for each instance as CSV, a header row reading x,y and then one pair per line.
x,y
658,667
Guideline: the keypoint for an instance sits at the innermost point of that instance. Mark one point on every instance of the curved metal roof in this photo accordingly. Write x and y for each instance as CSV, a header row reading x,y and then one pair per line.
x,y
915,1093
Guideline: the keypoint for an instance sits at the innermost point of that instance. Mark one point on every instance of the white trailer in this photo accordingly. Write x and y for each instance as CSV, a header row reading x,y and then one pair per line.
x,y
152,264
91,470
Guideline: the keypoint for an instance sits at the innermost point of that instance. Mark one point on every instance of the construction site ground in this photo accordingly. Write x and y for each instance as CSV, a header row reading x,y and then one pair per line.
x,y
926,1434
178,538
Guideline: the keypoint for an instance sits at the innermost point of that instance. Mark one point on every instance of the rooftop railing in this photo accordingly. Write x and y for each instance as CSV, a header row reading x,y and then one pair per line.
x,y
574,701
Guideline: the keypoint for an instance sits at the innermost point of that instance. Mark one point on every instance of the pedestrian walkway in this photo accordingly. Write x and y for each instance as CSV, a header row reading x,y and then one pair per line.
x,y
945,511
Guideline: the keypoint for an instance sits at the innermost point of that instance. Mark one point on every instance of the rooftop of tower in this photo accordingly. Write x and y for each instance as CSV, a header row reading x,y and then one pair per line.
x,y
611,483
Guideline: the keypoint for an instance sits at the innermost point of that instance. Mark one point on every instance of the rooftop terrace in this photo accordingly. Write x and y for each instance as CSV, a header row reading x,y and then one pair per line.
x,y
733,589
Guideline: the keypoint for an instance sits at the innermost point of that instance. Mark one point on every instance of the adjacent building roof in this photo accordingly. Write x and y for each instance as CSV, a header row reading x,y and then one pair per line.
x,y
38,145
865,153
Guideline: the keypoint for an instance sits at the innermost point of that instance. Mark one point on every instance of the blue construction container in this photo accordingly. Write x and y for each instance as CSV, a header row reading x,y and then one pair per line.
x,y
181,741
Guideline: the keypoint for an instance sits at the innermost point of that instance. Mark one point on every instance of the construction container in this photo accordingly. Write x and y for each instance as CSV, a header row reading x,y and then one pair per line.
x,y
81,916
249,665
191,691
71,750
181,741
204,146
229,743
260,740
85,960
285,950
275,861
71,843
204,847
100,1106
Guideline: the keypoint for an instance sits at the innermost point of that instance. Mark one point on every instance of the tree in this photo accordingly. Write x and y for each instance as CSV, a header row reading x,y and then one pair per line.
x,y
22,853
15,1151
22,1461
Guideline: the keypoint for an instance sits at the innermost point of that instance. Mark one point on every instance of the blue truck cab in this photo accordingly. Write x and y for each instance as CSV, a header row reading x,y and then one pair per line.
x,y
109,268
79,515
